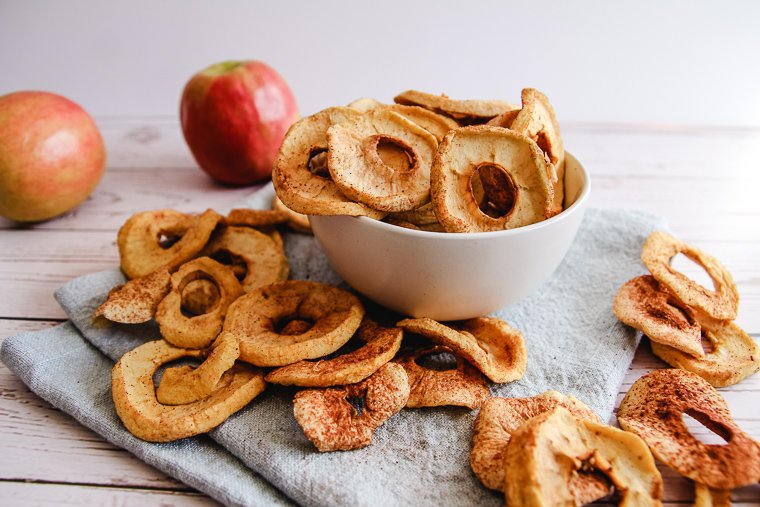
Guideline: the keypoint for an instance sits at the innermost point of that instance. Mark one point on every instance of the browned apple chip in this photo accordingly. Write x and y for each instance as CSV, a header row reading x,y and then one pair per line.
x,y
439,384
382,159
500,417
134,395
151,240
259,320
733,355
296,221
654,408
136,301
644,304
196,331
184,384
301,177
488,343
548,451
262,260
261,218
344,418
380,344
537,120
720,304
464,111
489,179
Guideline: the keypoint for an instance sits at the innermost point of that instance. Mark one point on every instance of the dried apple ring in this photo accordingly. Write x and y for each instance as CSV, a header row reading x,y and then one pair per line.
x,y
249,217
328,417
733,355
461,385
720,304
644,304
365,104
488,179
547,451
436,124
300,175
500,417
380,345
296,221
184,384
263,259
422,216
136,301
504,120
537,120
464,111
653,409
259,320
134,395
488,343
382,159
708,497
142,250
200,330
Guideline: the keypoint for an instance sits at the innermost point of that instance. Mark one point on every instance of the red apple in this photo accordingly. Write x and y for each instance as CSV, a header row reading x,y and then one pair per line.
x,y
234,116
51,155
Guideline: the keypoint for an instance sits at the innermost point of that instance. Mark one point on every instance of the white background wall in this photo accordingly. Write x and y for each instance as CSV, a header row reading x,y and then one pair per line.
x,y
646,61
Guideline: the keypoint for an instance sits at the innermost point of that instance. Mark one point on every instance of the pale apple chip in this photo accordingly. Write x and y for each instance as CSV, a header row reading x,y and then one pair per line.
x,y
537,120
488,343
379,345
261,258
297,222
196,331
654,408
301,177
732,356
184,384
708,497
437,124
151,240
134,395
489,179
504,120
257,218
344,418
500,417
382,160
435,383
259,319
644,304
464,111
365,104
546,454
720,304
136,301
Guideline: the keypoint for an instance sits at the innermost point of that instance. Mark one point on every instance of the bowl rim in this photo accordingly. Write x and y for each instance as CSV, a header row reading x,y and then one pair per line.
x,y
464,236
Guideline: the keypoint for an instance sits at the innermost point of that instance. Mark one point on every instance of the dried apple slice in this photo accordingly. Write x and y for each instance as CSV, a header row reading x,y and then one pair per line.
x,y
332,423
200,330
300,175
464,111
708,497
380,344
488,343
260,318
720,304
489,179
654,408
257,218
142,249
644,304
136,301
382,159
296,221
460,385
134,395
547,452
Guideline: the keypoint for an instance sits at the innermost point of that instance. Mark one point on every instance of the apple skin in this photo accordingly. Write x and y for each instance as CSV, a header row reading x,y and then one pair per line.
x,y
234,117
51,155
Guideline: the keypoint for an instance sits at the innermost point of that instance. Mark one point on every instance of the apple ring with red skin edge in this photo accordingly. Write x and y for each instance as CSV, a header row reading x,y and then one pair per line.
x,y
720,304
653,409
200,330
334,315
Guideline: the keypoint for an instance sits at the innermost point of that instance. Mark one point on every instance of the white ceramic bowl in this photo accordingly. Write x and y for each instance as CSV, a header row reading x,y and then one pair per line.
x,y
452,276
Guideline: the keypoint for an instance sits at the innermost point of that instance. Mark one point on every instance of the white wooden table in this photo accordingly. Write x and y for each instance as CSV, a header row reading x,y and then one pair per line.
x,y
704,181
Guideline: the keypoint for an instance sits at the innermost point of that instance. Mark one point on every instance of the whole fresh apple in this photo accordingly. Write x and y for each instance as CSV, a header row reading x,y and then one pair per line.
x,y
51,155
234,116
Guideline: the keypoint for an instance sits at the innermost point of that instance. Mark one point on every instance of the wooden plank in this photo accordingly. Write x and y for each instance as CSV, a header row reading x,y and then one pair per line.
x,y
21,494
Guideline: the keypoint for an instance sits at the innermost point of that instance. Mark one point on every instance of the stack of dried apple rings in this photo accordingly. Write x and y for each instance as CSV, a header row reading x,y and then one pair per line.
x,y
471,165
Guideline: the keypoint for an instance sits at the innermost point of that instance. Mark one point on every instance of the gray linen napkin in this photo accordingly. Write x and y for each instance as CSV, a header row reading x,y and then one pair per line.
x,y
420,456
